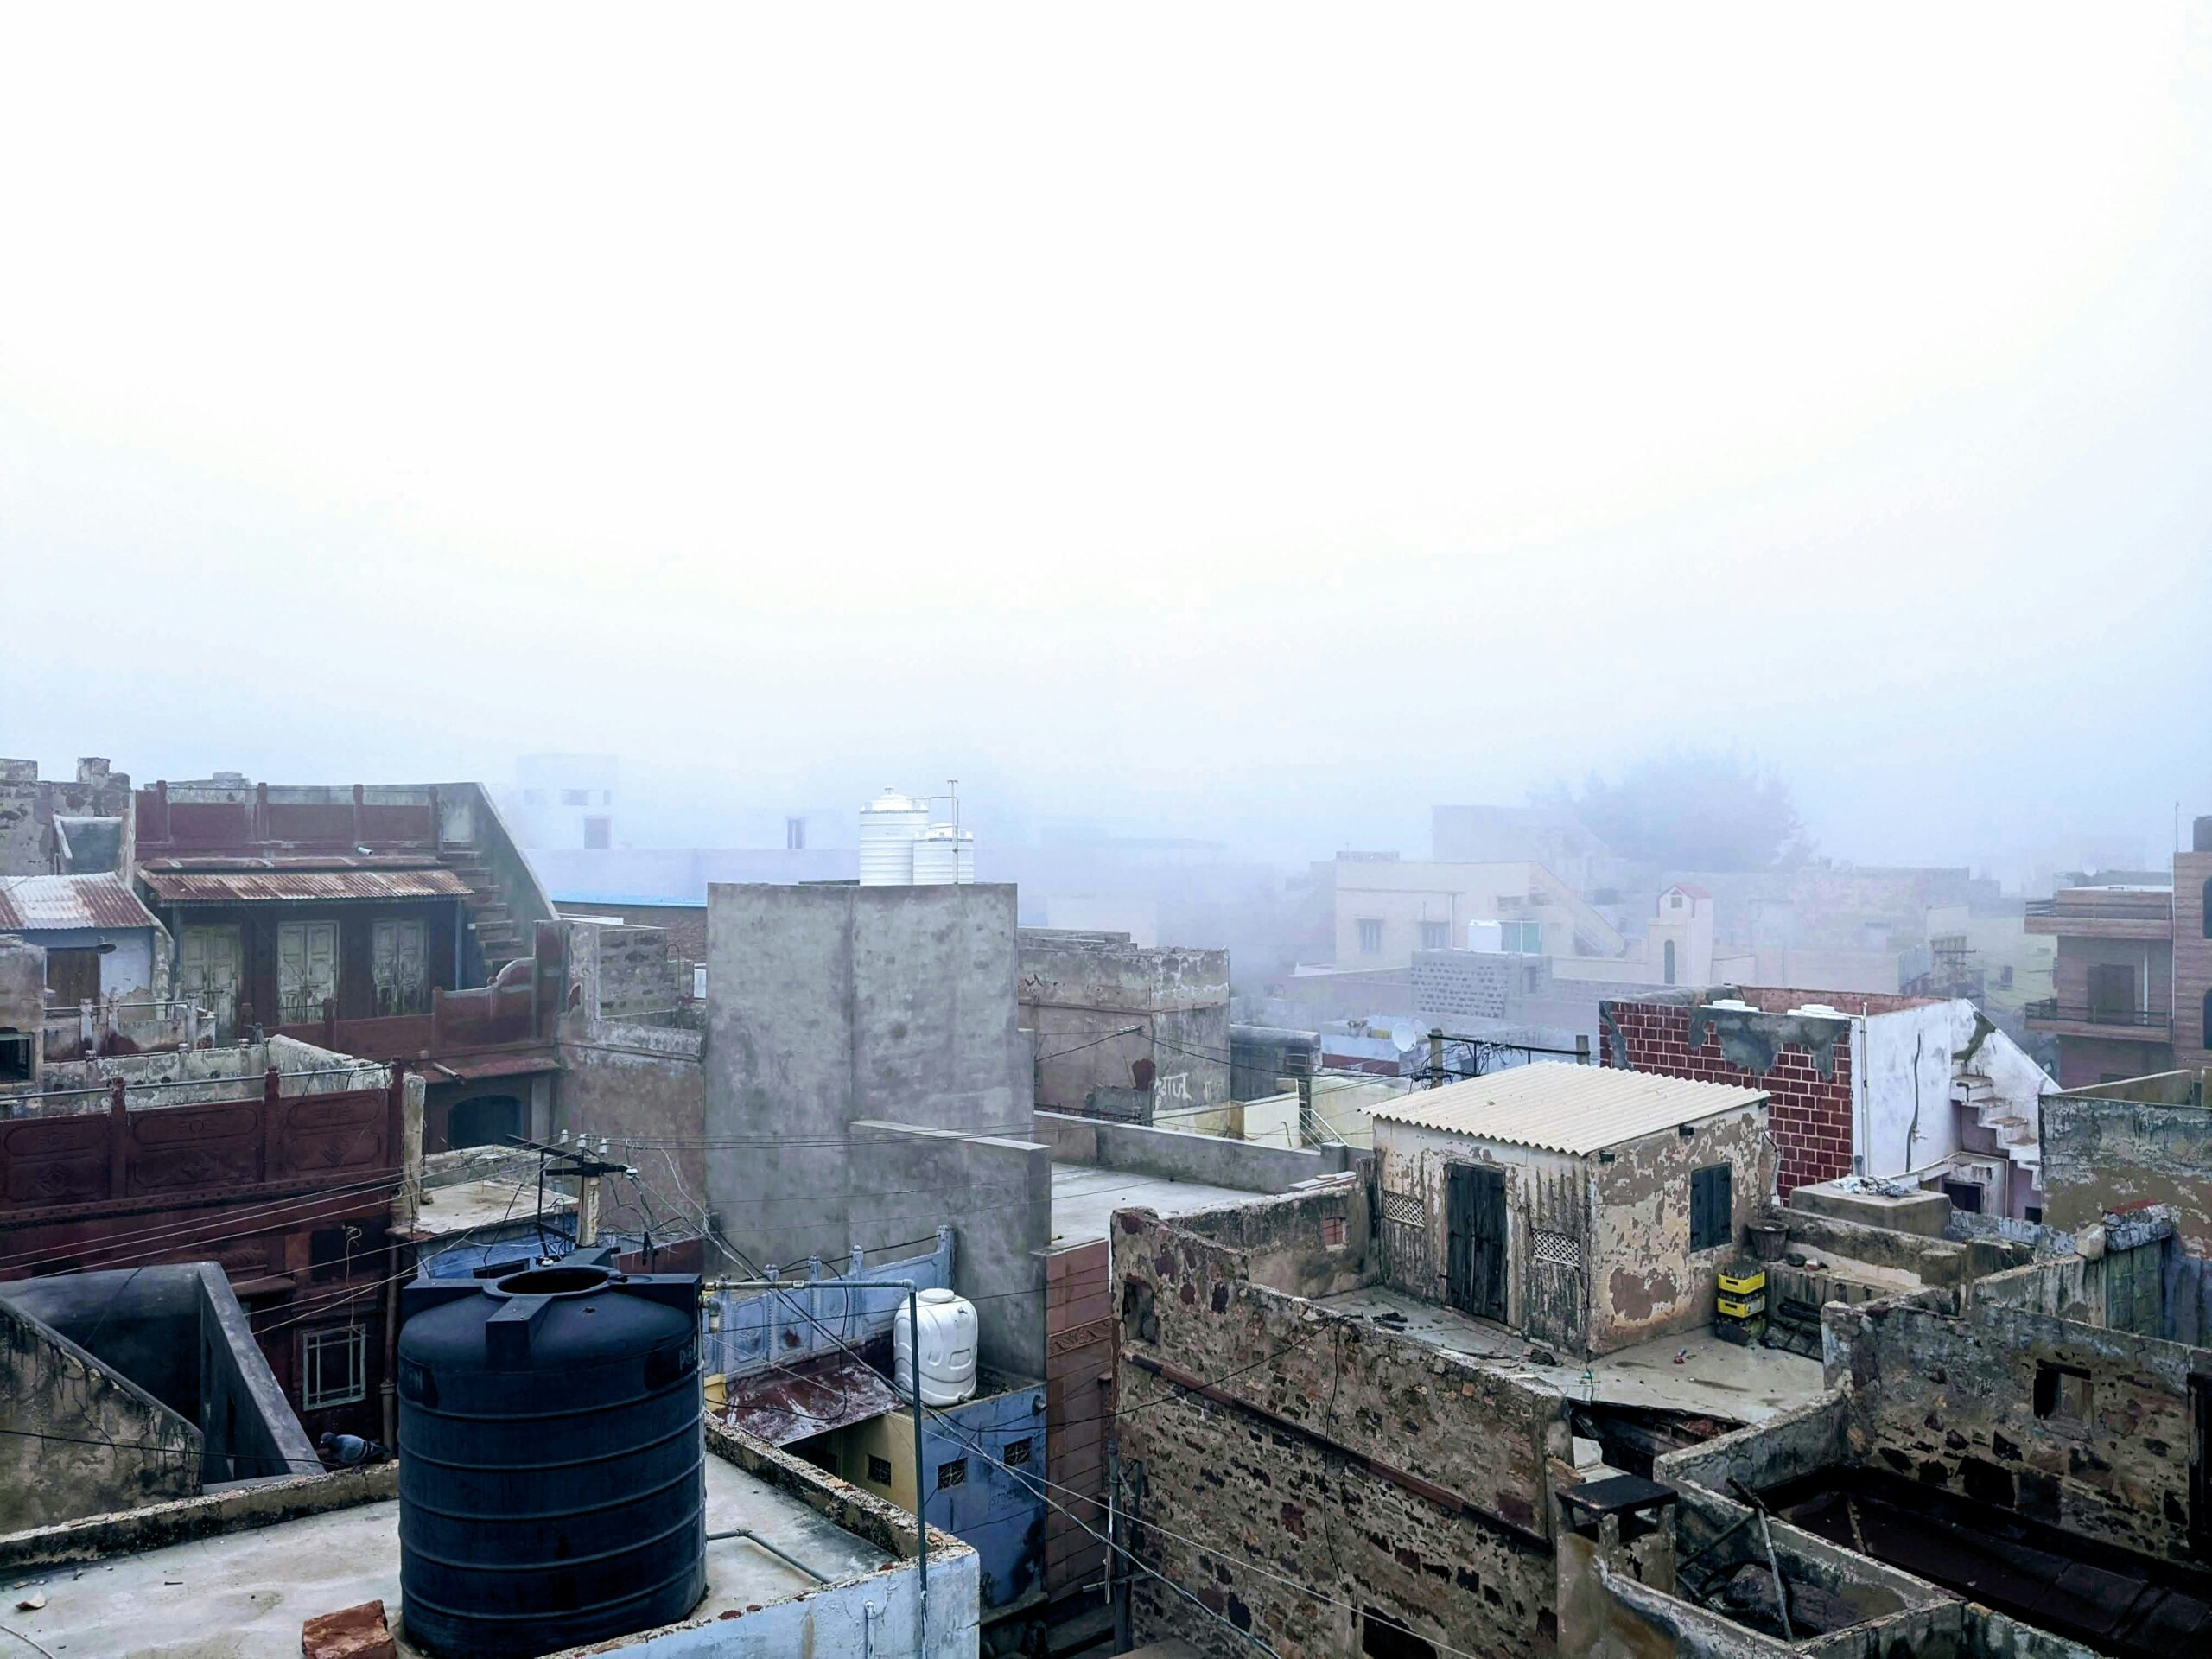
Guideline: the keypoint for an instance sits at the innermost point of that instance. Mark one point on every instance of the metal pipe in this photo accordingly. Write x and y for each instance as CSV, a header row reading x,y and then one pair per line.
x,y
750,1536
914,1368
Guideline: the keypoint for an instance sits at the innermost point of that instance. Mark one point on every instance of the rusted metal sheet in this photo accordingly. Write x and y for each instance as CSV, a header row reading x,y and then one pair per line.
x,y
786,1404
265,881
54,902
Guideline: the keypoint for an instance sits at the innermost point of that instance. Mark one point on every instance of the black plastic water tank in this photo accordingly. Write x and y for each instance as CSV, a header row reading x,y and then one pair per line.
x,y
552,1489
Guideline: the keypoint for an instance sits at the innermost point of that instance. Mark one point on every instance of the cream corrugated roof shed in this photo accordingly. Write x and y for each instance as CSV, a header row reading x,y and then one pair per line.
x,y
1572,1109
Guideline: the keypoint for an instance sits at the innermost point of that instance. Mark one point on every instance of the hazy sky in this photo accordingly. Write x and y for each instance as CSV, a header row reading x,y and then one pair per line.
x,y
1260,421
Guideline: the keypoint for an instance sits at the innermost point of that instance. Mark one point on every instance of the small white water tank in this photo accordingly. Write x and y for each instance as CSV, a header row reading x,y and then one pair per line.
x,y
1489,937
1733,1004
889,825
947,1348
1820,1011
944,856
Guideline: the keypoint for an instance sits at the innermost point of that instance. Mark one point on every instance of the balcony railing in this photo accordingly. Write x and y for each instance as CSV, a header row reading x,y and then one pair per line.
x,y
2050,1009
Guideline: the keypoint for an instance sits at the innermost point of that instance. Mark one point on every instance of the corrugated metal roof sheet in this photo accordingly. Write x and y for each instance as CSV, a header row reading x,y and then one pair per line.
x,y
789,1403
40,903
1571,1108
253,886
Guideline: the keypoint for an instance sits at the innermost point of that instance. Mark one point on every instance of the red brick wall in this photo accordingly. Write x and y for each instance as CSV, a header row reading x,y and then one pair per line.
x,y
1808,1116
1079,1342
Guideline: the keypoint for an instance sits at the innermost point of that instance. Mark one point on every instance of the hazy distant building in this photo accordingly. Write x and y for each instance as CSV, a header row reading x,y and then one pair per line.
x,y
563,800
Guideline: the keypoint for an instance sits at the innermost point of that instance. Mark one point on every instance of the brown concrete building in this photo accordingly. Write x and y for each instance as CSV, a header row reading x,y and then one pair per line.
x,y
2113,997
1125,1030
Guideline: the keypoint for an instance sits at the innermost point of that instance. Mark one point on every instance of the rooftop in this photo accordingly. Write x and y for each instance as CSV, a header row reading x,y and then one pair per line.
x,y
253,881
1746,1384
1570,1108
56,902
243,1594
1085,1197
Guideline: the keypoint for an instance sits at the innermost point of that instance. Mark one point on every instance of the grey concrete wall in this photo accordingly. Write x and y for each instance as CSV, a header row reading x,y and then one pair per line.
x,y
178,1333
1177,1155
832,1004
997,1195
81,1440
2112,1154
1077,990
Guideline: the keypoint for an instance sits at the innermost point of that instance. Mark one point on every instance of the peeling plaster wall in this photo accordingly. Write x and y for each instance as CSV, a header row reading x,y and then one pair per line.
x,y
1078,989
1903,1093
1286,1462
1645,1280
1546,1190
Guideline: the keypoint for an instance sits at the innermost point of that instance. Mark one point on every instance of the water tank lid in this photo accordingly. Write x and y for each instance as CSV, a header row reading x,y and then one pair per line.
x,y
892,801
937,1295
1820,1010
1733,1004
946,832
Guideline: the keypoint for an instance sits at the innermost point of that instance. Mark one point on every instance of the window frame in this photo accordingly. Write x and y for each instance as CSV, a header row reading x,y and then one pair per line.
x,y
1702,1223
1435,936
352,1340
1370,935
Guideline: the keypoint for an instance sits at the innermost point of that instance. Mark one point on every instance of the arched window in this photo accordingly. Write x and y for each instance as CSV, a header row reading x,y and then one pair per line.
x,y
1667,956
487,1121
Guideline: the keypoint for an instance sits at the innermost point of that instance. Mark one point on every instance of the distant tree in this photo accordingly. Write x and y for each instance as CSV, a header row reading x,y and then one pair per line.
x,y
1693,810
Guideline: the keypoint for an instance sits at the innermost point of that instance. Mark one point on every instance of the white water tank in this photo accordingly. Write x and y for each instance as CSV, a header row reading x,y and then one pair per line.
x,y
889,826
1489,937
947,1348
1820,1011
944,856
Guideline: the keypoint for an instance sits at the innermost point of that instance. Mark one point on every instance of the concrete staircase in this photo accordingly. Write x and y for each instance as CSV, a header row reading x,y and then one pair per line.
x,y
489,918
2014,1123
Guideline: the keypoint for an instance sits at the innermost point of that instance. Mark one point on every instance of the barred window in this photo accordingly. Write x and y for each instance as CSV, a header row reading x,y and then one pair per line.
x,y
878,1470
1558,1250
953,1473
330,1367
1017,1452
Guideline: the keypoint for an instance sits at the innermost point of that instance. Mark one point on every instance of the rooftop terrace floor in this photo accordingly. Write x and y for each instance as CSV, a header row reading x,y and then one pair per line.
x,y
1085,1197
244,1595
1716,1377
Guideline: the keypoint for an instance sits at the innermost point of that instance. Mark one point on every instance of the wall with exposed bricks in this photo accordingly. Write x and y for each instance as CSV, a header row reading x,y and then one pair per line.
x,y
1808,1081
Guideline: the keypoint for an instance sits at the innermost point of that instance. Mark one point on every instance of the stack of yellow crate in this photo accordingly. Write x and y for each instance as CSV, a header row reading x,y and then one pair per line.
x,y
1739,1310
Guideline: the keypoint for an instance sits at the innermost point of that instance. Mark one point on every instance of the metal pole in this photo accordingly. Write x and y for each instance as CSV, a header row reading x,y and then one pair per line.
x,y
1436,1056
914,1371
586,1212
1581,1048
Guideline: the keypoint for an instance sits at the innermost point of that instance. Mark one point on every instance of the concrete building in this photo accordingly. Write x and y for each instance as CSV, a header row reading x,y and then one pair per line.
x,y
278,1160
56,827
1589,1209
133,1387
2113,999
1125,1030
1919,1089
1387,907
564,800
797,1563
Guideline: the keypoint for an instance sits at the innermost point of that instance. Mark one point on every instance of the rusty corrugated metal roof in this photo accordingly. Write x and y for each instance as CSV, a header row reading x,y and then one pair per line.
x,y
42,903
264,883
787,1404
1571,1108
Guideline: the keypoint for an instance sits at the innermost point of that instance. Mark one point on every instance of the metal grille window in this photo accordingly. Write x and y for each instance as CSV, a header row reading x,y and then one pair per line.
x,y
1403,1206
952,1474
1017,1452
331,1369
1557,1249
878,1470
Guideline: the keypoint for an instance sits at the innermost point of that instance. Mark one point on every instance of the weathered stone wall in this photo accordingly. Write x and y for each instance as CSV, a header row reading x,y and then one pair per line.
x,y
1805,1064
1945,1400
1313,1450
2109,1154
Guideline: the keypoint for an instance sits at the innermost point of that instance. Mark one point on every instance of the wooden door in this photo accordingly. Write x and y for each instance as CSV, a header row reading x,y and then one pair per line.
x,y
1475,1239
307,970
72,977
207,974
397,962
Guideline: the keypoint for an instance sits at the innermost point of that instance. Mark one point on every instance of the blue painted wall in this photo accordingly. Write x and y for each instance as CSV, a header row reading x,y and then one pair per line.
x,y
991,1509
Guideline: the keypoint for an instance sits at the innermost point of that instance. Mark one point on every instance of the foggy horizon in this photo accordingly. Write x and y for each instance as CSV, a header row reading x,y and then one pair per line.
x,y
1240,425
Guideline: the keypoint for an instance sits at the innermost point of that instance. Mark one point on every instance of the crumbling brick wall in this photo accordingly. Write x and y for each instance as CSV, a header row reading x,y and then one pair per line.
x,y
1281,1450
1957,1403
1805,1066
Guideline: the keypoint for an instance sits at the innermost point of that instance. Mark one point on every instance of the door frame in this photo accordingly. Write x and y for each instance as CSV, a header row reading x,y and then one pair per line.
x,y
1476,1233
